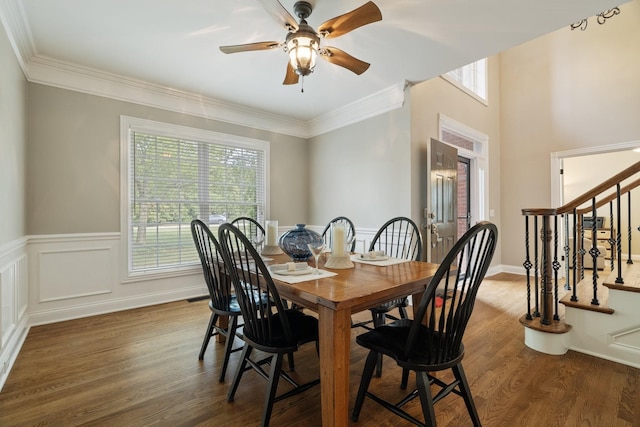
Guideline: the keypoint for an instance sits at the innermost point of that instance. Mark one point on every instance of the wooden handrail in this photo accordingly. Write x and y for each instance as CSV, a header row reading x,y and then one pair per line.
x,y
610,197
589,195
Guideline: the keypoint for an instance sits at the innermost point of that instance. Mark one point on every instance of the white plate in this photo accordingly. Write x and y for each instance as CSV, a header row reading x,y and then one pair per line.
x,y
378,258
299,272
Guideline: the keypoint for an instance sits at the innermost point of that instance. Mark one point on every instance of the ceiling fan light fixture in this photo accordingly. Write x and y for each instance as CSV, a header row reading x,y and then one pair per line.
x,y
302,48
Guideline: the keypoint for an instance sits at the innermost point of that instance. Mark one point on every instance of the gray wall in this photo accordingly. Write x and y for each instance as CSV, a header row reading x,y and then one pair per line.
x,y
362,171
74,161
563,91
13,141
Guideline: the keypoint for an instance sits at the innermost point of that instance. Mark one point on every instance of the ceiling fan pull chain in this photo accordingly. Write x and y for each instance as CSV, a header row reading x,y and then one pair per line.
x,y
302,84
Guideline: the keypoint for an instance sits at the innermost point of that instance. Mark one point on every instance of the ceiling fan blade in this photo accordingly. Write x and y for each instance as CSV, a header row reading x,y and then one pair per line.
x,y
291,77
343,59
280,14
340,25
249,46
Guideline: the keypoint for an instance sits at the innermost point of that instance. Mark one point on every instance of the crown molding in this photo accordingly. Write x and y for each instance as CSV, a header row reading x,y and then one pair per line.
x,y
51,72
94,82
378,103
12,17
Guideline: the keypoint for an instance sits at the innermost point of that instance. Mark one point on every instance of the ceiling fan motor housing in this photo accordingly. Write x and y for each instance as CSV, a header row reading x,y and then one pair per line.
x,y
302,9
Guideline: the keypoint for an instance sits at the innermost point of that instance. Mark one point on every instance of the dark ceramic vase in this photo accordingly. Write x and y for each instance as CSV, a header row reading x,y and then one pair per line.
x,y
294,242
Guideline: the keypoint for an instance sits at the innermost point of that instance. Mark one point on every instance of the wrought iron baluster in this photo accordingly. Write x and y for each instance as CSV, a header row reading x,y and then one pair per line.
x,y
629,260
611,239
567,284
582,250
618,247
527,266
536,282
574,258
594,252
556,267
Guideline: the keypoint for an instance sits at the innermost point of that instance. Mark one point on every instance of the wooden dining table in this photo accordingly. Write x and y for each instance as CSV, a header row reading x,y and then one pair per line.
x,y
335,299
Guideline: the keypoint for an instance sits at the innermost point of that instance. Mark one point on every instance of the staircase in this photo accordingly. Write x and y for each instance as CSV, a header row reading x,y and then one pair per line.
x,y
592,311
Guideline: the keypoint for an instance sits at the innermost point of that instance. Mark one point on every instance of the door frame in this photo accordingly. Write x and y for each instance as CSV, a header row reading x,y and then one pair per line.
x,y
557,157
479,167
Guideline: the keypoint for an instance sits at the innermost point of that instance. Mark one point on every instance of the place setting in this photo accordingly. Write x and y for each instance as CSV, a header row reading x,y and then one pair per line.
x,y
376,258
299,270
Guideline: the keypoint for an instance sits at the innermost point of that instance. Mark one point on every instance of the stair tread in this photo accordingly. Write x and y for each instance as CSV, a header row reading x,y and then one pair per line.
x,y
631,276
556,326
584,293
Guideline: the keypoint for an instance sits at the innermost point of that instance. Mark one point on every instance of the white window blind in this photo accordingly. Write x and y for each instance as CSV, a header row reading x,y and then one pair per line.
x,y
472,78
177,174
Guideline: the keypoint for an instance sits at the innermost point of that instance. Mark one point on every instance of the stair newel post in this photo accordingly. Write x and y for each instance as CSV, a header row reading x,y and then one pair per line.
x,y
629,260
556,267
574,267
546,291
594,252
527,266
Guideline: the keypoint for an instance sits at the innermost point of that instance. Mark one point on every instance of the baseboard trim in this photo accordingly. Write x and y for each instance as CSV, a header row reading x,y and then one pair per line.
x,y
103,307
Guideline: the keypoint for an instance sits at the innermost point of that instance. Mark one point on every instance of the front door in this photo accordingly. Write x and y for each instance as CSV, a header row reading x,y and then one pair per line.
x,y
444,189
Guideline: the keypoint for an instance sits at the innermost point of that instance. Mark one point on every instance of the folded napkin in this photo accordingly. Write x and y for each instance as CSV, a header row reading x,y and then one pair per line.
x,y
289,266
372,255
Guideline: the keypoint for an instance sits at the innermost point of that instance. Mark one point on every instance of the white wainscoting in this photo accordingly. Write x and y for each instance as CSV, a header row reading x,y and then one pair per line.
x,y
52,278
13,304
78,275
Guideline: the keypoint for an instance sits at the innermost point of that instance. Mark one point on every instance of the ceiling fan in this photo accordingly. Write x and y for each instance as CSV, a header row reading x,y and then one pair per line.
x,y
302,43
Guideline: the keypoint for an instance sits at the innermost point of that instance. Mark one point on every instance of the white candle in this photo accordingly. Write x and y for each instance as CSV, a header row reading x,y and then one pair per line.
x,y
338,240
272,233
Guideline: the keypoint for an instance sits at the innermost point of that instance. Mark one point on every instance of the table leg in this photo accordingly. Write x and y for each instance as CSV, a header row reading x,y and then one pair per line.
x,y
335,338
415,302
223,322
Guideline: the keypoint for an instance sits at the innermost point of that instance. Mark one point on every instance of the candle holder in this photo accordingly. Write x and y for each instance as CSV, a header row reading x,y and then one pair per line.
x,y
339,262
340,257
271,239
271,250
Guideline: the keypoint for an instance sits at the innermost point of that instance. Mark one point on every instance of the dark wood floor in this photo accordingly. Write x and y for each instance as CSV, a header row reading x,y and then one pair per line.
x,y
140,368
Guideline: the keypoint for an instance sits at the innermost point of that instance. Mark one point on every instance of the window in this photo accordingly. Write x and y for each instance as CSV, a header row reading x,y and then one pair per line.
x,y
174,174
471,78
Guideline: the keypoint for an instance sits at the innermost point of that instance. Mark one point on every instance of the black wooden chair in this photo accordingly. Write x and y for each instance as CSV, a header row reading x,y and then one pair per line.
x,y
271,328
350,231
398,238
251,228
256,235
222,301
435,345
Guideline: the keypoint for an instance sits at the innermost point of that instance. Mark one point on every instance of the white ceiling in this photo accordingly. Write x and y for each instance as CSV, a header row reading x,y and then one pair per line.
x,y
174,44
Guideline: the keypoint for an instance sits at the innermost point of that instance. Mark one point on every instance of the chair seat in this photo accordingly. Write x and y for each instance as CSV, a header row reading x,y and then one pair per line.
x,y
391,339
390,305
229,306
232,308
304,328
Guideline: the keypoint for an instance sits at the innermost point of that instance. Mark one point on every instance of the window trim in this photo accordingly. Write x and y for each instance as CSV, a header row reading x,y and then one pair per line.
x,y
128,124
